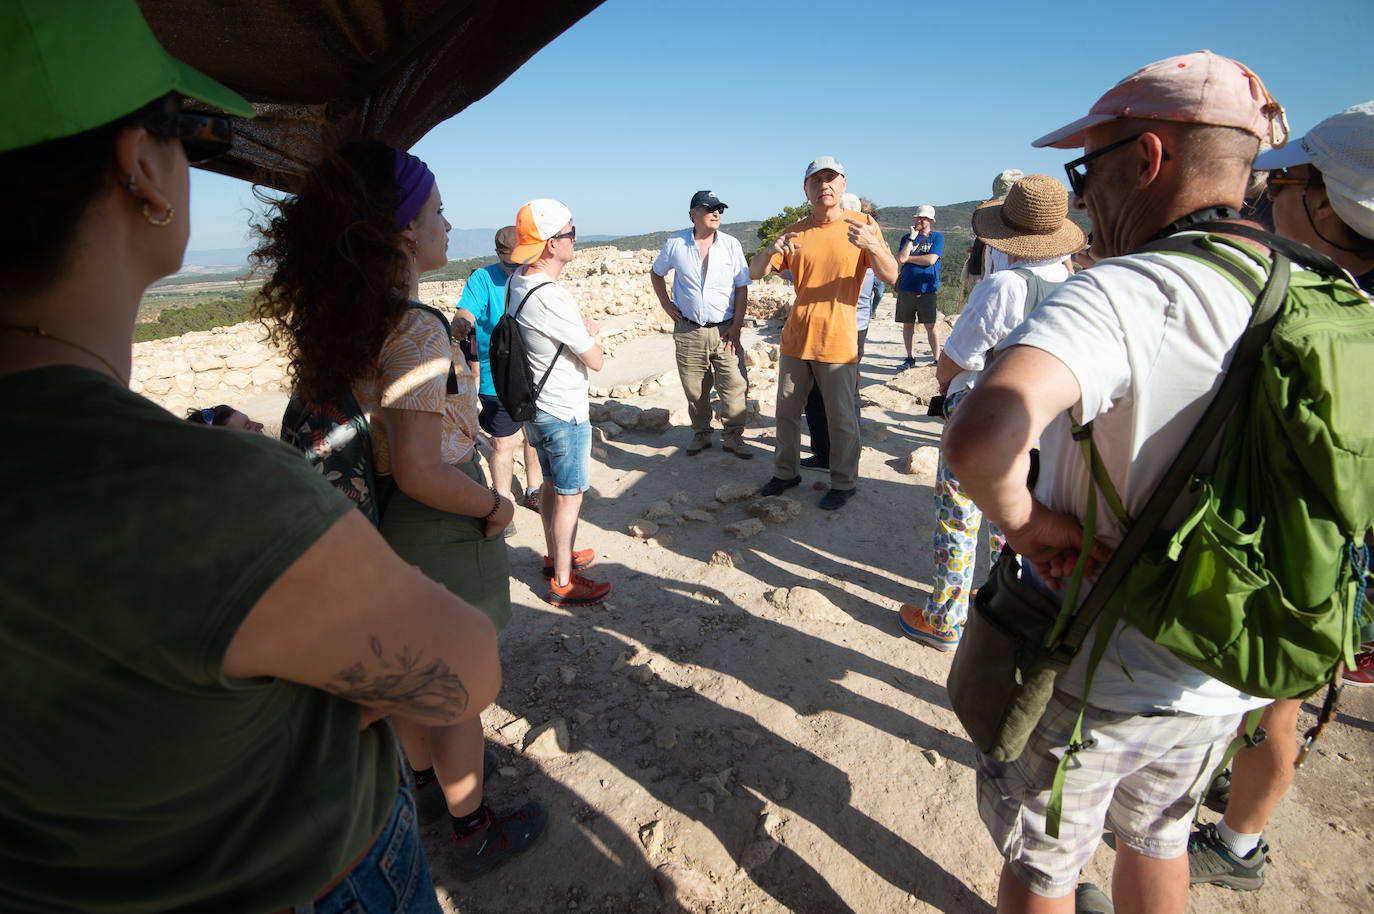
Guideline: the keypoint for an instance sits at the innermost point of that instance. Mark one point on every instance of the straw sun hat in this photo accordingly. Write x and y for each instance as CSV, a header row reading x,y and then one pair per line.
x,y
1032,223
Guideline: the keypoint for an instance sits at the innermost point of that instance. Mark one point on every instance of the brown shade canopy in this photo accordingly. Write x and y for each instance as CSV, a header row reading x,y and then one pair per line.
x,y
387,70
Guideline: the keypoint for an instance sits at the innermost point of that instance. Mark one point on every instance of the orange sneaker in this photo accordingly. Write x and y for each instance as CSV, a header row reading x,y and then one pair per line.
x,y
913,622
582,558
579,591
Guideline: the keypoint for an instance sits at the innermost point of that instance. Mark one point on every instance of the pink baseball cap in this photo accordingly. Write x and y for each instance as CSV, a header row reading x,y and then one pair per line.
x,y
1198,88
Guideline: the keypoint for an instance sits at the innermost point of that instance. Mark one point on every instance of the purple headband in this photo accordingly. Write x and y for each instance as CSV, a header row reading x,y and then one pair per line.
x,y
414,181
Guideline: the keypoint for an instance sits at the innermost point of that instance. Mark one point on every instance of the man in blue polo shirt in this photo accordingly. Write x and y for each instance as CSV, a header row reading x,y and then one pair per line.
x,y
919,260
710,283
482,305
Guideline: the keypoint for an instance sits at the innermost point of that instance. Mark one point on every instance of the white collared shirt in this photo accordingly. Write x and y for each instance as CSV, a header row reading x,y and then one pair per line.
x,y
705,299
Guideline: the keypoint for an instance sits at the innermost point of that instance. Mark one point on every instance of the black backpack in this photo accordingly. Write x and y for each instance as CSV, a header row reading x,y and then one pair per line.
x,y
334,436
510,365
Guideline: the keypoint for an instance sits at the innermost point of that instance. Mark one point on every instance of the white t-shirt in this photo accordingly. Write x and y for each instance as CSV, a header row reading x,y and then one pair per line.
x,y
549,317
995,308
1148,338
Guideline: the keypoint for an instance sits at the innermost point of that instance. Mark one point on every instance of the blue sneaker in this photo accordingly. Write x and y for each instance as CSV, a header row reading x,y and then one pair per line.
x,y
914,625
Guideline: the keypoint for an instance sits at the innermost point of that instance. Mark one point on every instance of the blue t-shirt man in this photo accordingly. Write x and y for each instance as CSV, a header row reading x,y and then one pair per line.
x,y
917,278
484,296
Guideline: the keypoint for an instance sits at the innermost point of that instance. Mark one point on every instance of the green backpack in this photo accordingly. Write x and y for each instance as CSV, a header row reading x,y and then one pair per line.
x,y
1261,587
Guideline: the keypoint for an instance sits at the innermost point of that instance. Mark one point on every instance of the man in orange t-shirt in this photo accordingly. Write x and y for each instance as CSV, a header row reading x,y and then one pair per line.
x,y
828,254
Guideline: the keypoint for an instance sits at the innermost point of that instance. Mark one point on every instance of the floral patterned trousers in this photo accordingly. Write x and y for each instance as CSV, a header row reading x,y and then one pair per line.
x,y
957,520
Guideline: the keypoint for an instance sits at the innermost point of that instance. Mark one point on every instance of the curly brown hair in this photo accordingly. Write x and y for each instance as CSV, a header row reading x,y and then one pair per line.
x,y
340,276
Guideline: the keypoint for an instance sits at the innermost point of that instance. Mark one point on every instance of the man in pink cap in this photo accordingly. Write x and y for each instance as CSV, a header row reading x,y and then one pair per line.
x,y
1136,346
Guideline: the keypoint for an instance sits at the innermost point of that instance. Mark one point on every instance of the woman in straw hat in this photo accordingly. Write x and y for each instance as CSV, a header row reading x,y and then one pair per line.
x,y
192,695
1032,228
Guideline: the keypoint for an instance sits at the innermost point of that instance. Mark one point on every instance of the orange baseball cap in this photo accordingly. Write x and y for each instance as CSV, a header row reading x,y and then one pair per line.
x,y
537,222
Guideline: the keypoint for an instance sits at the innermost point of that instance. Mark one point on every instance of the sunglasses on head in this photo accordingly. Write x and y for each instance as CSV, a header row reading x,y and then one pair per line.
x,y
207,415
203,136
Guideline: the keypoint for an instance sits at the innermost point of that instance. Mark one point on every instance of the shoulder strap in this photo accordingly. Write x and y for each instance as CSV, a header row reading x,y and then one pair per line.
x,y
1295,251
448,332
559,351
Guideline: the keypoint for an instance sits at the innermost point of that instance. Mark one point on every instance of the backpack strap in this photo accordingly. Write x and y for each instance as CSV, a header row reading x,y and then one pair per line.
x,y
448,332
557,352
1176,478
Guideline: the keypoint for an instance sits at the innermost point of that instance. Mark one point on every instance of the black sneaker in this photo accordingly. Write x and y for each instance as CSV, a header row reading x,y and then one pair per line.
x,y
836,498
814,463
776,486
1210,861
505,836
1219,793
430,805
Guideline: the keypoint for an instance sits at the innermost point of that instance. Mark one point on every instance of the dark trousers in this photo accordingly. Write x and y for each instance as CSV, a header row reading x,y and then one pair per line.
x,y
816,422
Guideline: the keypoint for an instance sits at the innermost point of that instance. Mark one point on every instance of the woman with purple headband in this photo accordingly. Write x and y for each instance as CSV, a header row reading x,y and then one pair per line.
x,y
347,254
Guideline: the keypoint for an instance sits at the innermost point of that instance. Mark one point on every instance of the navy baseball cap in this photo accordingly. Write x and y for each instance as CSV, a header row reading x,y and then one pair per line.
x,y
706,198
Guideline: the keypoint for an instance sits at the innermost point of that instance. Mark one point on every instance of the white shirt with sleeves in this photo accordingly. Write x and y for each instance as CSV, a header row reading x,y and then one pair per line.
x,y
1148,338
707,299
995,308
550,316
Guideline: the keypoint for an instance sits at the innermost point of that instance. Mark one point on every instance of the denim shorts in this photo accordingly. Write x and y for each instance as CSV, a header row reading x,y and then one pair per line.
x,y
565,451
392,877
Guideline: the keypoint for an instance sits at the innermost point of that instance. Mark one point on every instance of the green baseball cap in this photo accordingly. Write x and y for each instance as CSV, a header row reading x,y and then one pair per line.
x,y
67,67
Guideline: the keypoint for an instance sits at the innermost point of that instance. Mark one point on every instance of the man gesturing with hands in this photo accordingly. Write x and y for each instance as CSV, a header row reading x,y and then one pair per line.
x,y
827,254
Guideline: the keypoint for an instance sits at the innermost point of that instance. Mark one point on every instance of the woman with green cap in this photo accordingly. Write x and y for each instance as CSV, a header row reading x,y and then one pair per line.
x,y
192,695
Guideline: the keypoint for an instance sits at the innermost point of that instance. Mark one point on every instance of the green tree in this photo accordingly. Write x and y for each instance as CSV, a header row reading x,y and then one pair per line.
x,y
772,226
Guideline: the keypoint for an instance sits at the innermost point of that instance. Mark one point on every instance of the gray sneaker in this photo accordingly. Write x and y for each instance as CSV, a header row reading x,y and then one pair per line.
x,y
1089,899
1210,861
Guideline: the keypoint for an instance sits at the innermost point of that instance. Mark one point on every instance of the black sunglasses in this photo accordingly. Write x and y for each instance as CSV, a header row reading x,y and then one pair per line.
x,y
203,136
570,233
1078,175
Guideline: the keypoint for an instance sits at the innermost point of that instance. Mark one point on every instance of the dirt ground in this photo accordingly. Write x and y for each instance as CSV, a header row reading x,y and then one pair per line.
x,y
758,736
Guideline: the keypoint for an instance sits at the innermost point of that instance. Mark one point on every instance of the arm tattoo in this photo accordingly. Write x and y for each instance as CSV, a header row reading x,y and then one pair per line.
x,y
406,682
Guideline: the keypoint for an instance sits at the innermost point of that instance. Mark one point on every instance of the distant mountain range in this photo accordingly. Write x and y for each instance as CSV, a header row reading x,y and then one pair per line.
x,y
473,244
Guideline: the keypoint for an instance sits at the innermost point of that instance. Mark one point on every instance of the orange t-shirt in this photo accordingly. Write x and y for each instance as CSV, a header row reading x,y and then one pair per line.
x,y
827,273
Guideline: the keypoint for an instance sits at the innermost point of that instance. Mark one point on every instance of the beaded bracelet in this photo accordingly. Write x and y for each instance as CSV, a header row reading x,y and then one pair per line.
x,y
495,503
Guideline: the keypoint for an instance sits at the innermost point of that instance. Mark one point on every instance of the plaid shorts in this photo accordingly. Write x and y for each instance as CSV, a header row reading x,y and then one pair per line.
x,y
1143,778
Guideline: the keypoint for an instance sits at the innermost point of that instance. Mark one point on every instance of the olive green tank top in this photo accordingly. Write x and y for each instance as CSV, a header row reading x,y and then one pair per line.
x,y
134,776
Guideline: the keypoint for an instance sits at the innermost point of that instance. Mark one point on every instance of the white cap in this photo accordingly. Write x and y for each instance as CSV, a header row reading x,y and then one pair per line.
x,y
821,164
1342,149
925,211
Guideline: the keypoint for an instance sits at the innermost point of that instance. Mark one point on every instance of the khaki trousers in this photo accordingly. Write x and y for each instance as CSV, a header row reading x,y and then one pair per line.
x,y
702,360
837,383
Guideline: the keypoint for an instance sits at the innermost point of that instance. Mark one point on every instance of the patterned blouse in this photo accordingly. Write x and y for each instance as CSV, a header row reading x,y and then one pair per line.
x,y
413,374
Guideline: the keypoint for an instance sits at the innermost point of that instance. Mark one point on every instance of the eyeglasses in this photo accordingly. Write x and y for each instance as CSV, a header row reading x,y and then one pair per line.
x,y
1278,178
1078,174
570,233
203,136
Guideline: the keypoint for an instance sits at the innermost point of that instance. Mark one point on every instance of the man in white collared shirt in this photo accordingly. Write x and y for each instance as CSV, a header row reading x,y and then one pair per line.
x,y
710,283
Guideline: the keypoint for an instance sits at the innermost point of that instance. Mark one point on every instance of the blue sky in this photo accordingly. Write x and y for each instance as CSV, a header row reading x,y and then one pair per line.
x,y
643,102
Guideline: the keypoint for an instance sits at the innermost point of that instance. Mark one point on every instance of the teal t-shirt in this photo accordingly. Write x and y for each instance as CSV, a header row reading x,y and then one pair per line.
x,y
484,294
134,776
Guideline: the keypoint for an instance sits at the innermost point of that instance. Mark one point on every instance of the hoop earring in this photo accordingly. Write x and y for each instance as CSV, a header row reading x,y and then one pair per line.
x,y
165,220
